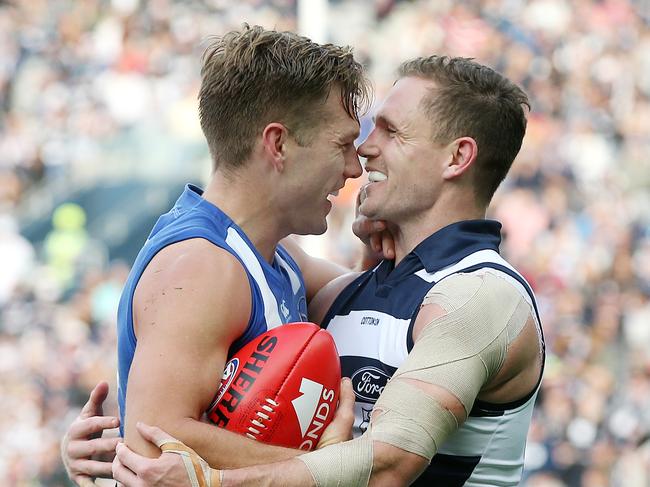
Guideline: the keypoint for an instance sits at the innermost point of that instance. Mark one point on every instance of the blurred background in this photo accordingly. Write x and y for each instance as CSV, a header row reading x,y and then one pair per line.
x,y
99,133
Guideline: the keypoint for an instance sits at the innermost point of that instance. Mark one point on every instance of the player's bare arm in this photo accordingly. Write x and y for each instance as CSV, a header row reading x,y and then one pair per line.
x,y
169,470
191,303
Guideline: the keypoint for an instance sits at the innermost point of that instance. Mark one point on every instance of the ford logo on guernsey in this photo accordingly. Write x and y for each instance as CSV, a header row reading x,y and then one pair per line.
x,y
369,382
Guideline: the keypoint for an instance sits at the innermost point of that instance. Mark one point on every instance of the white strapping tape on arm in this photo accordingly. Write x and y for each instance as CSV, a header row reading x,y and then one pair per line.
x,y
198,471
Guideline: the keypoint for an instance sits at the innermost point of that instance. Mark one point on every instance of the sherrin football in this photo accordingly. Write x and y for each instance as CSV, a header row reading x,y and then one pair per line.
x,y
281,388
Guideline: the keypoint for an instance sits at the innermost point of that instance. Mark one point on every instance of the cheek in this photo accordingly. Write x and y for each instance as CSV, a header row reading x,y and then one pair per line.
x,y
333,165
338,157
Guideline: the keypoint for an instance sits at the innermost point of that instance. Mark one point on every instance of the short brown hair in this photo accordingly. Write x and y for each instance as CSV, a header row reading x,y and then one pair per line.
x,y
473,100
255,76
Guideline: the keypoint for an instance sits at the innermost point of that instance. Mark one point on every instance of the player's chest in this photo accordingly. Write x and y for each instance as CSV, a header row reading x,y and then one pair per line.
x,y
376,320
372,330
372,345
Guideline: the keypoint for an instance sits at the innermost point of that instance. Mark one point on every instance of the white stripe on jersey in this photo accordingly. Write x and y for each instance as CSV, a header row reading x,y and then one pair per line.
x,y
386,336
482,257
499,446
238,244
293,277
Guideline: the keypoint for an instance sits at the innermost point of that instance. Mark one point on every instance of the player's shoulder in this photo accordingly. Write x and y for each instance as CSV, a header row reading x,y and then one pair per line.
x,y
196,265
492,285
483,294
197,280
323,300
197,259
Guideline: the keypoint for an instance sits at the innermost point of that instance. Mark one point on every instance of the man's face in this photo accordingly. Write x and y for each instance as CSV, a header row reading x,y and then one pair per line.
x,y
321,168
404,165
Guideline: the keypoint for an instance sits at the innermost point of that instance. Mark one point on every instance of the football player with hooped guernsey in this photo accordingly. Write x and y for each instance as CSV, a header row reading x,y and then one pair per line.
x,y
451,323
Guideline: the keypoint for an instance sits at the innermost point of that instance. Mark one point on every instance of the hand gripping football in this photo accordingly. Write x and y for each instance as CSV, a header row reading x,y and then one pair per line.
x,y
281,388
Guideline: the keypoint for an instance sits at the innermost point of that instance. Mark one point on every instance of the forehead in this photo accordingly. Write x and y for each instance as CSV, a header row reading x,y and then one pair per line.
x,y
404,98
337,119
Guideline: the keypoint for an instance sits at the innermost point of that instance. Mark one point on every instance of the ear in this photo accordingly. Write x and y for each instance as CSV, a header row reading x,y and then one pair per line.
x,y
274,140
463,154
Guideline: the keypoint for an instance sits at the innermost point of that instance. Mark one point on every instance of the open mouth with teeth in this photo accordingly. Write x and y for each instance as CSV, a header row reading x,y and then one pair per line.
x,y
376,176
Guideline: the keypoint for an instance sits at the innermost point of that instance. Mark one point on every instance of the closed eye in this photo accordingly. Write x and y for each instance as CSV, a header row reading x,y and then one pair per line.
x,y
384,123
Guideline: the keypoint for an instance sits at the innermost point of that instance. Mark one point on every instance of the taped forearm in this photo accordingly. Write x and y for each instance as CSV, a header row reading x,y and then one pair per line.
x,y
344,464
411,420
407,418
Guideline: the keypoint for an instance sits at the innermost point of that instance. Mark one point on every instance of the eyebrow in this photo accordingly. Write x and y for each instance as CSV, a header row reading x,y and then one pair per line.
x,y
352,135
383,118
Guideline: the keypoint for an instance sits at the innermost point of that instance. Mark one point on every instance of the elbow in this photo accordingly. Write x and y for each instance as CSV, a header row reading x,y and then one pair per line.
x,y
393,466
388,479
136,442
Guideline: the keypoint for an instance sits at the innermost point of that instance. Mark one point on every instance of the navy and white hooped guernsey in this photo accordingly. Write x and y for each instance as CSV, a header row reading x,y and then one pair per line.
x,y
372,322
277,290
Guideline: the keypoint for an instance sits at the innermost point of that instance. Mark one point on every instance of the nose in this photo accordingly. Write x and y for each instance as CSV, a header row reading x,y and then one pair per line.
x,y
353,167
369,148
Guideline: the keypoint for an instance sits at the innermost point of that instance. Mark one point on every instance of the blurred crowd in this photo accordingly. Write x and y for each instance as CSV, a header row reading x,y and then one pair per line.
x,y
106,90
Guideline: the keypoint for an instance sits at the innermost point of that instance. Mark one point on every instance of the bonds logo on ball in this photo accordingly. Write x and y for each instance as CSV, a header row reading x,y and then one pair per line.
x,y
313,408
281,388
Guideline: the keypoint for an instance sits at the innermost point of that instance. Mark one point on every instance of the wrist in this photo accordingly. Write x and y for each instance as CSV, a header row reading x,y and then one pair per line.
x,y
216,478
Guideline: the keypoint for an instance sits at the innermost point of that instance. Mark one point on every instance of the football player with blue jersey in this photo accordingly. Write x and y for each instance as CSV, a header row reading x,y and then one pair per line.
x,y
280,114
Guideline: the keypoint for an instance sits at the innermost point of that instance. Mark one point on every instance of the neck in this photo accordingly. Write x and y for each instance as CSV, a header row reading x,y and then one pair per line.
x,y
408,233
246,203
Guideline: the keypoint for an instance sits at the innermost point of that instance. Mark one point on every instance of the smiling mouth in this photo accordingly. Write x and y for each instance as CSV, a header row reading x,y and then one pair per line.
x,y
376,176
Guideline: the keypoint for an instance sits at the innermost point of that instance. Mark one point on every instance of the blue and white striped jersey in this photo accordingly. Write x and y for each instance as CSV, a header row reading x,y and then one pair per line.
x,y
277,289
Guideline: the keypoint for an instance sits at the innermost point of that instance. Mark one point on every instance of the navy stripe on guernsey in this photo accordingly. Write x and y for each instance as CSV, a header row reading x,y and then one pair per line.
x,y
372,321
277,289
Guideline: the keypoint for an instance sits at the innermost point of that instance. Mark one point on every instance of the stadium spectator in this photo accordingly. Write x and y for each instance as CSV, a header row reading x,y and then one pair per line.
x,y
94,90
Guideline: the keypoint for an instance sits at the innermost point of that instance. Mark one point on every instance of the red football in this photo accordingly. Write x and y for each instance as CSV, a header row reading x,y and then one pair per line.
x,y
281,388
